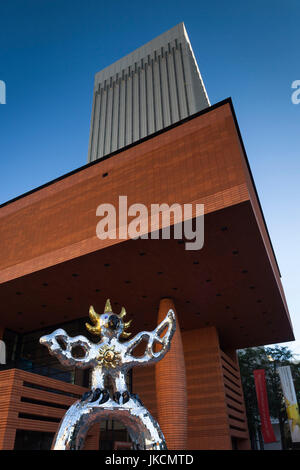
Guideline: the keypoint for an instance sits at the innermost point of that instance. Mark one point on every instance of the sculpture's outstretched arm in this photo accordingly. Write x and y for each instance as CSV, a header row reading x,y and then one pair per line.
x,y
150,355
61,346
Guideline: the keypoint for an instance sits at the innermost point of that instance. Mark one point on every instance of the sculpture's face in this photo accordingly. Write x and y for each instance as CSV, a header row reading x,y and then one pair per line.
x,y
111,325
108,325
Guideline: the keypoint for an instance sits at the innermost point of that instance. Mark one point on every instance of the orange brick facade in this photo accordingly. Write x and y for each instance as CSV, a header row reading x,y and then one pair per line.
x,y
53,266
198,161
16,414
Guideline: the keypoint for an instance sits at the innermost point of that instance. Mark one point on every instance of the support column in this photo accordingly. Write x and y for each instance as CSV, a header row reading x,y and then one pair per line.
x,y
171,394
208,417
217,418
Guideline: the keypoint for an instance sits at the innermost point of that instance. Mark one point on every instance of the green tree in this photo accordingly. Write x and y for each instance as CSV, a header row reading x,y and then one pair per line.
x,y
267,358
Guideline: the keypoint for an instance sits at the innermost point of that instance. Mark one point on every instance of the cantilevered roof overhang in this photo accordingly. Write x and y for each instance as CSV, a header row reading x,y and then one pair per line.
x,y
53,266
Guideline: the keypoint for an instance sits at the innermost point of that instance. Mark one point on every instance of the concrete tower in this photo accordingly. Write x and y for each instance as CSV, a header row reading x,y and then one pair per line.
x,y
153,87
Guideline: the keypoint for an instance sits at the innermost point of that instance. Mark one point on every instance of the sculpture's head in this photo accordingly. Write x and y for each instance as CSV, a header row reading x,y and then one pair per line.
x,y
109,324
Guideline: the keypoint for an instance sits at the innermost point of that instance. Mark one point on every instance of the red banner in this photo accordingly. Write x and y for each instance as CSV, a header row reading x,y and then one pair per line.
x,y
263,406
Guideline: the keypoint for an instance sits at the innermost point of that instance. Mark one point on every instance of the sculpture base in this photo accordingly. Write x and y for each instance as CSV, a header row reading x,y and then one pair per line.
x,y
143,429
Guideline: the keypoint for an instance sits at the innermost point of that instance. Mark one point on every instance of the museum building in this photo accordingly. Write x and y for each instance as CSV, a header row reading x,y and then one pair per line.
x,y
156,139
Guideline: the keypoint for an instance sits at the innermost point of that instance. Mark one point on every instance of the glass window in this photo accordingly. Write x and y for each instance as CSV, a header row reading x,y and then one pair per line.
x,y
33,440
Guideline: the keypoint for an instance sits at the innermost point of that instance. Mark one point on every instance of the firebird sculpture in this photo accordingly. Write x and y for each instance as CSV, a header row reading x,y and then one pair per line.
x,y
110,357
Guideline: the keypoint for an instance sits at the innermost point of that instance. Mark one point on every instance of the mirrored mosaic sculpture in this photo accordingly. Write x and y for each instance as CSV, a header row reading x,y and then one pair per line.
x,y
114,358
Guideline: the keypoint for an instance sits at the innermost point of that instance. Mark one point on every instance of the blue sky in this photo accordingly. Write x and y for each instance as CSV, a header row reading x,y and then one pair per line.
x,y
51,49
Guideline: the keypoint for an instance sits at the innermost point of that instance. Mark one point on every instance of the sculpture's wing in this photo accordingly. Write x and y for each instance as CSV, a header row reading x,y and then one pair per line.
x,y
61,345
150,355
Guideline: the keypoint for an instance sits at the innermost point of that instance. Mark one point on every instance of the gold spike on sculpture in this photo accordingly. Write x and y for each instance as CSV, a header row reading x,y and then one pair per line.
x,y
95,318
124,334
126,325
107,308
123,313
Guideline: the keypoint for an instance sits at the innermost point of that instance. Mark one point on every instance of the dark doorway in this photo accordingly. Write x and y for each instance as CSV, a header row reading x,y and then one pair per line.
x,y
33,440
113,433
